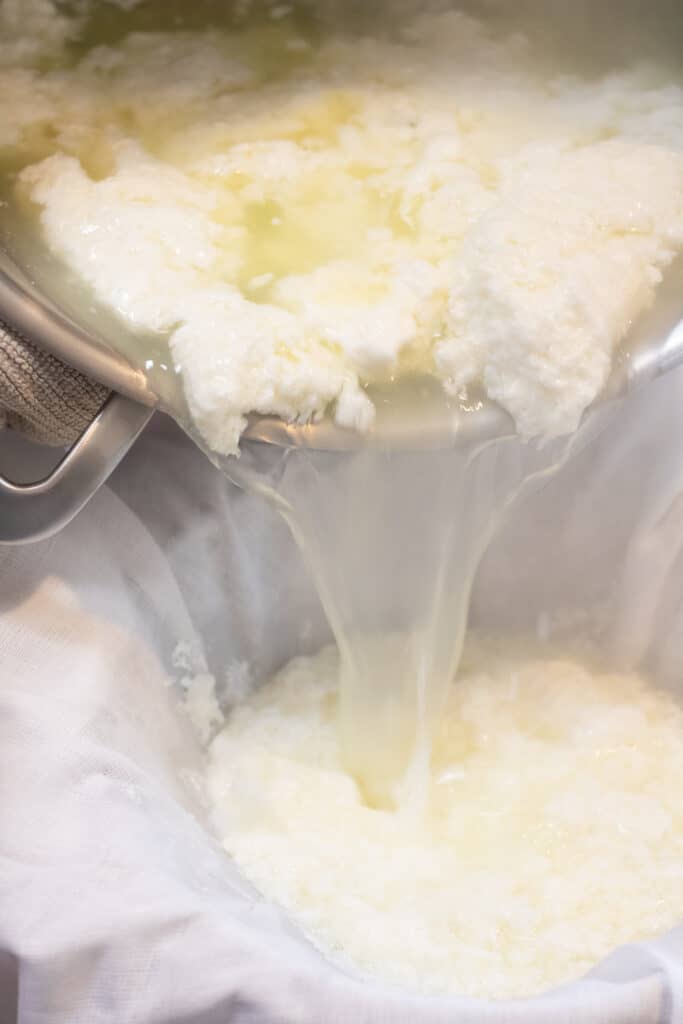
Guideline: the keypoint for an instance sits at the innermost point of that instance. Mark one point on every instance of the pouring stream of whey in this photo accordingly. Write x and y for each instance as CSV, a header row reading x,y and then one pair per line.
x,y
393,539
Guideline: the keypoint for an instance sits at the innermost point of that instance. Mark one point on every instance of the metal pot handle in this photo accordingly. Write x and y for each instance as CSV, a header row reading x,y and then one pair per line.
x,y
32,512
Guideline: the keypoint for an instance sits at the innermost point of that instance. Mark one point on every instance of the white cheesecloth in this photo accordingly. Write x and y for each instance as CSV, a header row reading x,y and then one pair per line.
x,y
116,904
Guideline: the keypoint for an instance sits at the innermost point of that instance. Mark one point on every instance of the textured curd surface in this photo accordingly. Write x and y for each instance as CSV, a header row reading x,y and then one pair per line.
x,y
304,209
553,830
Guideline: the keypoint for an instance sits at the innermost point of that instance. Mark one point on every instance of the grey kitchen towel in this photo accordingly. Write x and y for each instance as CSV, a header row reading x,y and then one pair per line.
x,y
40,396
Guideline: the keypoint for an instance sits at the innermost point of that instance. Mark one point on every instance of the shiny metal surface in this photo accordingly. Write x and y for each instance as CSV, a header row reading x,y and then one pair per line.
x,y
32,512
31,312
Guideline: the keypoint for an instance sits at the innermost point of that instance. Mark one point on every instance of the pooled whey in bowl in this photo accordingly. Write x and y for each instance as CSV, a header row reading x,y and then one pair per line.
x,y
553,830
306,202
